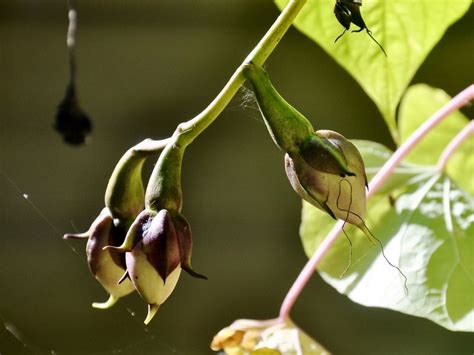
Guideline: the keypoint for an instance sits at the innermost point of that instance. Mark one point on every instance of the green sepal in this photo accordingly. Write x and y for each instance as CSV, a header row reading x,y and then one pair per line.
x,y
164,187
124,195
323,155
185,242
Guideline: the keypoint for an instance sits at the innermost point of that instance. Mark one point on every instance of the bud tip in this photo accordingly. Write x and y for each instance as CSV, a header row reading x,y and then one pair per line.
x,y
107,304
152,309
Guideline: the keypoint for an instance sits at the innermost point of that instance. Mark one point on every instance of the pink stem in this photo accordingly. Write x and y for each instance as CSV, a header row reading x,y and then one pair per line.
x,y
378,180
454,144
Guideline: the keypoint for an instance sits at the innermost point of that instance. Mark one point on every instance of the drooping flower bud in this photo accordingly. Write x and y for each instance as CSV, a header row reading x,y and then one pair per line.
x,y
124,198
162,249
341,197
107,266
323,167
159,242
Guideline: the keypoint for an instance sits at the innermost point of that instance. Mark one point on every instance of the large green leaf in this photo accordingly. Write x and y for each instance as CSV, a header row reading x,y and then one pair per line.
x,y
419,103
427,228
408,30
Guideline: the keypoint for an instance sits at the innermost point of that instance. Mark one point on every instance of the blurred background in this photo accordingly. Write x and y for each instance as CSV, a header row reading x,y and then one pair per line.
x,y
143,67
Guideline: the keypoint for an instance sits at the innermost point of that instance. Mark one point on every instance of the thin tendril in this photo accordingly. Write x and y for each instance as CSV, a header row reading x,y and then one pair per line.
x,y
366,229
345,221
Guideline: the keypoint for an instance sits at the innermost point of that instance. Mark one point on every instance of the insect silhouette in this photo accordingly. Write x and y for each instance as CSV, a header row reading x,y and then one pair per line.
x,y
347,12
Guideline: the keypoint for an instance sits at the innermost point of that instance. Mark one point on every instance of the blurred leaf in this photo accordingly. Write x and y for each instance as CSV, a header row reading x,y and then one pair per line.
x,y
269,337
419,103
427,229
408,30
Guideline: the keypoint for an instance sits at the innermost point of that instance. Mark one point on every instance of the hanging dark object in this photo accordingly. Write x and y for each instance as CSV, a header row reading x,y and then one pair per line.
x,y
347,12
71,121
73,124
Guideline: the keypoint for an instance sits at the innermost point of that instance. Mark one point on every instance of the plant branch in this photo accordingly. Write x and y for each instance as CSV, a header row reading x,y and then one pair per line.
x,y
188,131
467,131
379,179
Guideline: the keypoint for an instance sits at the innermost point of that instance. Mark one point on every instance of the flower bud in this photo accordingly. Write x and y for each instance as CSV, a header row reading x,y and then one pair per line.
x,y
107,266
317,181
323,167
162,247
124,199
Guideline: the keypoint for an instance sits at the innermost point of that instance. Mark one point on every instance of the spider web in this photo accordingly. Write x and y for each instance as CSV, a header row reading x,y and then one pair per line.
x,y
15,338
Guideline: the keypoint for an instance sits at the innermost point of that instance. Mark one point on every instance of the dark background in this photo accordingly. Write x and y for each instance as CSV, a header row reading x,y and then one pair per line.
x,y
144,66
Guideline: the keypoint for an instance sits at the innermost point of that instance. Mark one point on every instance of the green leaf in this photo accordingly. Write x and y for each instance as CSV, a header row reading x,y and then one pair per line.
x,y
408,30
427,229
419,103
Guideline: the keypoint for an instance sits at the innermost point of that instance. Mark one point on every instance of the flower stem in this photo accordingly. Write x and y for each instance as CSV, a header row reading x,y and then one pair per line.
x,y
188,131
467,131
376,183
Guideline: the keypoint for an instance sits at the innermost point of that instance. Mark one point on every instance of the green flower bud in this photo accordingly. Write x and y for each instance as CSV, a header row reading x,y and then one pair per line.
x,y
341,197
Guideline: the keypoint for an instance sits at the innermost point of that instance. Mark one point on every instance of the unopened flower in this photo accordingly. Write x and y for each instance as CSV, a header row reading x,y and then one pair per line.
x,y
269,337
315,176
162,248
124,199
107,266
323,167
159,242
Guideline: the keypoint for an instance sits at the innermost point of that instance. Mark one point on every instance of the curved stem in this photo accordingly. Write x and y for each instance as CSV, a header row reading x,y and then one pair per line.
x,y
461,99
467,131
189,130
379,179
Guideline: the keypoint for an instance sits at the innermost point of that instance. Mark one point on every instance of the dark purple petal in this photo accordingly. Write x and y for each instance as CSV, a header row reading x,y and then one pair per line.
x,y
185,242
160,244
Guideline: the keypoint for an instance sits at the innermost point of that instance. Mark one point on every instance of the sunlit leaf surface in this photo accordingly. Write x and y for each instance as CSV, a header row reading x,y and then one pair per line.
x,y
419,103
271,337
426,224
407,29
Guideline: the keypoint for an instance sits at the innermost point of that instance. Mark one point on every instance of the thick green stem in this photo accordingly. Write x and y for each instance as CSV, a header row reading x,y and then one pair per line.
x,y
189,130
288,128
164,188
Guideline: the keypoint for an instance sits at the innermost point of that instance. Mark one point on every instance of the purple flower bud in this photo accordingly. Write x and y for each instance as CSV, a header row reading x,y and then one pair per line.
x,y
107,266
162,247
